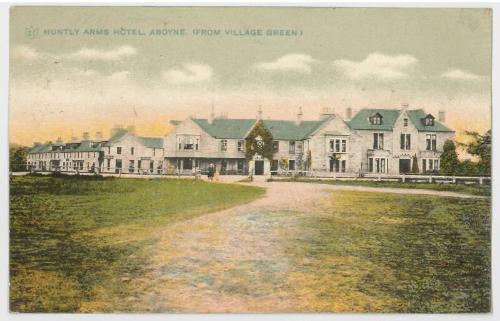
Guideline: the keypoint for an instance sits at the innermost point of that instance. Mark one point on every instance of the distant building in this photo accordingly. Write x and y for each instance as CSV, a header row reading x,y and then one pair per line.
x,y
383,141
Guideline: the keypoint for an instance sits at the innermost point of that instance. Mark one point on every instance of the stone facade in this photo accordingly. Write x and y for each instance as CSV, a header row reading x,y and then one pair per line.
x,y
382,141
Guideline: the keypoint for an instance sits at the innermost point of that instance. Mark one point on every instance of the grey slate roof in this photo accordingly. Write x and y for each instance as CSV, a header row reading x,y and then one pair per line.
x,y
389,117
238,128
290,130
151,142
118,135
416,118
226,128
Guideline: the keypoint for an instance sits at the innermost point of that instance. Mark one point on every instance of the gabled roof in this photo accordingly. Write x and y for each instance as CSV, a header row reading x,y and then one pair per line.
x,y
290,130
226,128
389,116
41,148
151,142
117,136
416,117
88,146
362,119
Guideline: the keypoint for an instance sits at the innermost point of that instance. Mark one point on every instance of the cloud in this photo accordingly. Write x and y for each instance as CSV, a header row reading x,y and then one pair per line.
x,y
291,62
458,74
119,75
24,52
106,55
378,66
188,74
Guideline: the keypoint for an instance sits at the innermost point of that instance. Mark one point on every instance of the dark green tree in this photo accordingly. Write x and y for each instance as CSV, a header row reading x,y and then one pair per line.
x,y
262,147
449,159
17,158
480,146
414,165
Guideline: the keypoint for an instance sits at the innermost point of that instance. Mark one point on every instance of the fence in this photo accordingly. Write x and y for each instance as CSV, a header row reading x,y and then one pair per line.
x,y
415,178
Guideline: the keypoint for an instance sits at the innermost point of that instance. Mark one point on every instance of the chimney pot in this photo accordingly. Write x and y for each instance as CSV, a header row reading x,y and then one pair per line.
x,y
442,116
348,113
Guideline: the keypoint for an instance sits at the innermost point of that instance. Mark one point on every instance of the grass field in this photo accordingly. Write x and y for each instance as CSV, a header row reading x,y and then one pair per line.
x,y
474,189
85,244
391,253
75,241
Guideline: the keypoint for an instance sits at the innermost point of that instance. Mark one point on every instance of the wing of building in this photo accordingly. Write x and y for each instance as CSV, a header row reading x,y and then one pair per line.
x,y
383,140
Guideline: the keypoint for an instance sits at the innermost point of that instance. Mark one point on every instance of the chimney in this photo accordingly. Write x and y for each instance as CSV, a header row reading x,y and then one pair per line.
x,y
116,129
300,116
326,113
74,139
259,113
131,129
404,106
212,115
85,136
98,136
441,116
348,113
36,144
59,140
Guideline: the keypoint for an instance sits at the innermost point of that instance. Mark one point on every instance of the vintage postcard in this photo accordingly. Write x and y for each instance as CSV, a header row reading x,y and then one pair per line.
x,y
250,159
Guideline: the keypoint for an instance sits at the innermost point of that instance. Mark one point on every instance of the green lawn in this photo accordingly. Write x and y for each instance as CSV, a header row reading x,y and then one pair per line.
x,y
75,241
474,189
396,253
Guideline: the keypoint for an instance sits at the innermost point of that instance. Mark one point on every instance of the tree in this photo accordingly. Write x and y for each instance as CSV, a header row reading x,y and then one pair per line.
x,y
449,159
414,165
284,163
480,146
262,146
17,158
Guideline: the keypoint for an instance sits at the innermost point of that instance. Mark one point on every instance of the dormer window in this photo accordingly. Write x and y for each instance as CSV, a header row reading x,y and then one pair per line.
x,y
376,119
405,122
428,120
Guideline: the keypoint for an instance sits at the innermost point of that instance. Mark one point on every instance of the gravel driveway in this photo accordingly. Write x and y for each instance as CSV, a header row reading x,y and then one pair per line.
x,y
234,260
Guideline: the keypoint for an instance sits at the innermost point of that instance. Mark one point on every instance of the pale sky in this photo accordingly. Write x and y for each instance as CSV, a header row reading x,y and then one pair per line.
x,y
65,82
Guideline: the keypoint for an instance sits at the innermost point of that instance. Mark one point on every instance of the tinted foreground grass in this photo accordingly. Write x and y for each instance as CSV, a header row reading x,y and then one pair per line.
x,y
393,253
474,189
75,242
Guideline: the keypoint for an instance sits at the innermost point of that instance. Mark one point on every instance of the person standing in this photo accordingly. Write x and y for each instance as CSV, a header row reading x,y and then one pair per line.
x,y
211,171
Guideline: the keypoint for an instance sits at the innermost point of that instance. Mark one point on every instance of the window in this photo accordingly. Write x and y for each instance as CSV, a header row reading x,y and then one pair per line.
x,y
196,146
151,166
241,145
300,147
291,147
118,150
429,121
276,146
240,165
274,165
291,164
405,122
431,142
131,150
377,165
338,145
131,166
376,119
223,145
424,165
118,164
109,164
378,141
405,141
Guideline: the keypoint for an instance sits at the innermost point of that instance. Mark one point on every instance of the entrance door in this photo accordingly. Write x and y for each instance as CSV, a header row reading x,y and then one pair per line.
x,y
404,165
259,167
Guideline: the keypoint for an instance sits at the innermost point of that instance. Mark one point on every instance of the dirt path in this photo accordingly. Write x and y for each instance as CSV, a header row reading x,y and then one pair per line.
x,y
235,260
